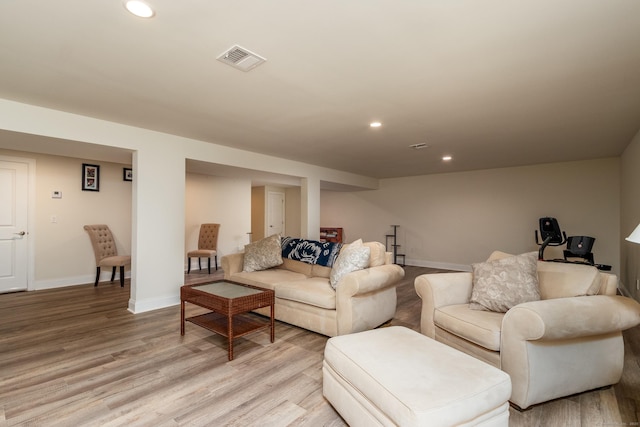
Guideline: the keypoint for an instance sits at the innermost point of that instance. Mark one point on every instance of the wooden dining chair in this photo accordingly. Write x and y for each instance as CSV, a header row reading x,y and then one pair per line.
x,y
207,246
105,251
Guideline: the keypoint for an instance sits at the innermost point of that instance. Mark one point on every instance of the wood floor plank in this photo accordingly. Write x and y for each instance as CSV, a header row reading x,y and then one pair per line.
x,y
77,357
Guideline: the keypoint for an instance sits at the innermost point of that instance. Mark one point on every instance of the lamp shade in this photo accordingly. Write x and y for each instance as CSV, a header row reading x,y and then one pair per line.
x,y
634,237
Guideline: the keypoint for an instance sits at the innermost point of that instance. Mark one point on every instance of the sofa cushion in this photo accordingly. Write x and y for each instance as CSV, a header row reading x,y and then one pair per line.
x,y
297,266
503,283
313,291
480,327
267,278
263,254
352,258
320,271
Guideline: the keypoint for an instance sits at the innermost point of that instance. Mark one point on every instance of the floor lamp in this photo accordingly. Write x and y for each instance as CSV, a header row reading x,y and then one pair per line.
x,y
634,237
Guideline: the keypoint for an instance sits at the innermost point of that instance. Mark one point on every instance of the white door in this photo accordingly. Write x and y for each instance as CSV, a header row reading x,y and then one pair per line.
x,y
275,213
14,198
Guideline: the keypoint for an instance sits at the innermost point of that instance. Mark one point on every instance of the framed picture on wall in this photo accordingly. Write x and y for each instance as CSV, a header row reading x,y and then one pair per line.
x,y
127,174
90,177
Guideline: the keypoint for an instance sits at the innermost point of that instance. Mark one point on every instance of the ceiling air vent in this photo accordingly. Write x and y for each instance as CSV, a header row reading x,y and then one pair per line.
x,y
240,58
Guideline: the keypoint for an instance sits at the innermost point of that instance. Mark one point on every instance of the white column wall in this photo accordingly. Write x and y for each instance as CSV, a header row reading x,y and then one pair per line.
x,y
158,228
310,208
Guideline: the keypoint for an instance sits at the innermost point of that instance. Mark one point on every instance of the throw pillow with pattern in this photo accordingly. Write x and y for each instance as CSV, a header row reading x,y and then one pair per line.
x,y
263,254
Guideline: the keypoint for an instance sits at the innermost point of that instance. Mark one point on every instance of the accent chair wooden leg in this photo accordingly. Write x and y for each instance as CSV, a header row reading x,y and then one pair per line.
x,y
97,276
122,276
188,265
209,264
216,262
199,265
113,274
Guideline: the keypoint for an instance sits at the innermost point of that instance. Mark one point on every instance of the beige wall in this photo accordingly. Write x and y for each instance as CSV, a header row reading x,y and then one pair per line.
x,y
158,190
453,220
446,220
62,250
630,217
210,199
292,212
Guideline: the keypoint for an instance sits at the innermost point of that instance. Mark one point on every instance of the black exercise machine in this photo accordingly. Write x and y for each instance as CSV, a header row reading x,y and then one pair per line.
x,y
551,235
577,246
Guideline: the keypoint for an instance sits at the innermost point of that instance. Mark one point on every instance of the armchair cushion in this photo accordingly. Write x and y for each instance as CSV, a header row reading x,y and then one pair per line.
x,y
560,280
479,327
501,284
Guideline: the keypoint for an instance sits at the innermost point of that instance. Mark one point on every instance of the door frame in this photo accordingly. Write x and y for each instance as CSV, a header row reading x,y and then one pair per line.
x,y
31,204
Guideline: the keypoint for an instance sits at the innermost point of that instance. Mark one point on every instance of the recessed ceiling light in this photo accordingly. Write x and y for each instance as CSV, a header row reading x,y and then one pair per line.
x,y
139,8
446,158
375,124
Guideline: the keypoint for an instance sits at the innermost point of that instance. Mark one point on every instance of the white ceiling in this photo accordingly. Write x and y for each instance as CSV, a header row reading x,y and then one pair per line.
x,y
493,83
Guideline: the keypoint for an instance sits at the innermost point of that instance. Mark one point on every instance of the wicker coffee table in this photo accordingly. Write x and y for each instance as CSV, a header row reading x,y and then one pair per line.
x,y
230,304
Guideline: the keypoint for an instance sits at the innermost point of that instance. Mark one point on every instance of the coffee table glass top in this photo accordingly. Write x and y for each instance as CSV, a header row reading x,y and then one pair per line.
x,y
227,290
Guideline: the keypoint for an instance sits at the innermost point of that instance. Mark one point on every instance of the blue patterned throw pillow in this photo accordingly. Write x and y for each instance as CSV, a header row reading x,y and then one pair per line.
x,y
310,251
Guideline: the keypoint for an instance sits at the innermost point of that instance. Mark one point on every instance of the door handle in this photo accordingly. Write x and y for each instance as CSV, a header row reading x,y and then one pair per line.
x,y
22,233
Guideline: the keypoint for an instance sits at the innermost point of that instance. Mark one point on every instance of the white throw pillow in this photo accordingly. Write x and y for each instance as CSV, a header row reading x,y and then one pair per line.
x,y
263,254
501,284
353,257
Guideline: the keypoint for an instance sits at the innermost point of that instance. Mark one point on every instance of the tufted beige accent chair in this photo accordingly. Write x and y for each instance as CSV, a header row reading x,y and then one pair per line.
x,y
104,248
207,246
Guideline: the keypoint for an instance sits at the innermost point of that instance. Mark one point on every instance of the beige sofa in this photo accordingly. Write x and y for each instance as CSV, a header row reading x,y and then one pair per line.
x,y
362,300
568,342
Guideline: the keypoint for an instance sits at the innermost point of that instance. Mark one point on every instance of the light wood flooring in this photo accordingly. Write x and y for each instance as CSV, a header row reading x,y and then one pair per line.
x,y
76,357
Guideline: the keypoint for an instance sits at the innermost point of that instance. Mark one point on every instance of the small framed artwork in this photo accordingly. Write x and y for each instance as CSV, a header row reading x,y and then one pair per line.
x,y
127,174
90,177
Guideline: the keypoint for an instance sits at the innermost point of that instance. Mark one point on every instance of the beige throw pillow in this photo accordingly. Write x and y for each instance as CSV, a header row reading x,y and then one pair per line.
x,y
501,284
378,254
353,257
263,254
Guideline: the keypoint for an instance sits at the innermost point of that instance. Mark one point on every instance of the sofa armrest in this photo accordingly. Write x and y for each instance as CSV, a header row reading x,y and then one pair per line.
x,y
232,264
567,318
584,333
367,298
439,290
369,280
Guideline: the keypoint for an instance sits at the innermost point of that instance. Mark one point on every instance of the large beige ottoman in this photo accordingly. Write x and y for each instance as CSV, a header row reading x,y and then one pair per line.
x,y
397,376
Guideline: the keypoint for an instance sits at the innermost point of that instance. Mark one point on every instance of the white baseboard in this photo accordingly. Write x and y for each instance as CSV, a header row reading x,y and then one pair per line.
x,y
150,304
436,264
74,281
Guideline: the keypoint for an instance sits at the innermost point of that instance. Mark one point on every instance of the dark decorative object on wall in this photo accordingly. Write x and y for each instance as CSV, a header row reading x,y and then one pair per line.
x,y
90,177
127,174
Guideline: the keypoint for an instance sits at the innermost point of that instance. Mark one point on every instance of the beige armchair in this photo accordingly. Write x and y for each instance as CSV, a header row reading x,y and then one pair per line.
x,y
105,251
207,246
568,342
